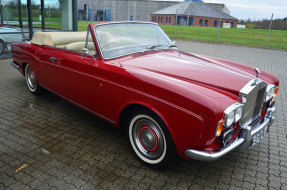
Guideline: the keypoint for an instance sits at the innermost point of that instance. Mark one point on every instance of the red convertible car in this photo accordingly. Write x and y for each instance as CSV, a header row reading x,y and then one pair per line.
x,y
171,103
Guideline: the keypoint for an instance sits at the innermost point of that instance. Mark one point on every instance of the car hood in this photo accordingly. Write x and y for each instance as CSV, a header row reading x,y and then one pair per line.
x,y
192,70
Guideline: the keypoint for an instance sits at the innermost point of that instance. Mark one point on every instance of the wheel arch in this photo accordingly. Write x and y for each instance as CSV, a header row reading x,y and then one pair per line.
x,y
23,67
123,117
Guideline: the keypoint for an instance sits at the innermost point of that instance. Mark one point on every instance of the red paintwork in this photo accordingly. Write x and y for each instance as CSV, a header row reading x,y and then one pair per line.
x,y
6,26
185,90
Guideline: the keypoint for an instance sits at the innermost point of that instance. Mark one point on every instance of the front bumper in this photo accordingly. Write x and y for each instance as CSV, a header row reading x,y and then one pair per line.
x,y
243,141
15,66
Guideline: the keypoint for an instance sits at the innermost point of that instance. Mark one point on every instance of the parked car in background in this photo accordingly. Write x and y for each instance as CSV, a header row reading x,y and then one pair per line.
x,y
7,39
171,103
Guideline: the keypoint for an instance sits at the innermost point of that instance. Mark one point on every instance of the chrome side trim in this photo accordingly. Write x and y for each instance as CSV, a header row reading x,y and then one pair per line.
x,y
56,65
78,104
148,95
243,142
14,65
153,97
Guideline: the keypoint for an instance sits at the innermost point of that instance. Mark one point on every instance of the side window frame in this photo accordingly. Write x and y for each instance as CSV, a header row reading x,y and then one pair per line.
x,y
87,42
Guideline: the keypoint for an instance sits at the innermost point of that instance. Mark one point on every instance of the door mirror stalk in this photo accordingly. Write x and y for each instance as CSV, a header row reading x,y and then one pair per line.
x,y
85,52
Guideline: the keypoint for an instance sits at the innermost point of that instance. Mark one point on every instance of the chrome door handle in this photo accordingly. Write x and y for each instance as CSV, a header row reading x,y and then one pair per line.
x,y
53,58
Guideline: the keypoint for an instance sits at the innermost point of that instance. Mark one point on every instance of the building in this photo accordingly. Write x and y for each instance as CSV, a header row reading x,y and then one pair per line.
x,y
200,14
24,17
122,9
221,7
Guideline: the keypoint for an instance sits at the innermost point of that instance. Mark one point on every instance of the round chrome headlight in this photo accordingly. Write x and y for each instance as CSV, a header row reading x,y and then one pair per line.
x,y
229,119
272,92
238,114
269,94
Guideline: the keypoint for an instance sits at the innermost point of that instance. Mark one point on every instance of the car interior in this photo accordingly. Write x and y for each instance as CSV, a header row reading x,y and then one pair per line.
x,y
76,41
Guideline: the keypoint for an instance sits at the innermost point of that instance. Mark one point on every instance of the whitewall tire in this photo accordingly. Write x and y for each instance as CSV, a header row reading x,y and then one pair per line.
x,y
150,140
32,82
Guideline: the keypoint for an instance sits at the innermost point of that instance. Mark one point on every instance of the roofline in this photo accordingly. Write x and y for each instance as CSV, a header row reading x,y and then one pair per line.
x,y
196,16
220,4
217,3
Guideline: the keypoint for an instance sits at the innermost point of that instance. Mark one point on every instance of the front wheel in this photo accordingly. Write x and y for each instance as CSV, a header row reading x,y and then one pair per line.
x,y
32,82
151,140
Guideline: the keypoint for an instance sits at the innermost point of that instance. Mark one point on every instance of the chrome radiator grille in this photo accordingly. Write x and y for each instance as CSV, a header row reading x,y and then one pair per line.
x,y
254,93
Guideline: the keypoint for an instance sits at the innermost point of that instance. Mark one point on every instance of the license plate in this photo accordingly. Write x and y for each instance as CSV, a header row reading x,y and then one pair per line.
x,y
257,137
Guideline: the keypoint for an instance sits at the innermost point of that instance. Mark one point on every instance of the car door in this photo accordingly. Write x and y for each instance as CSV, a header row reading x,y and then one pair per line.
x,y
69,75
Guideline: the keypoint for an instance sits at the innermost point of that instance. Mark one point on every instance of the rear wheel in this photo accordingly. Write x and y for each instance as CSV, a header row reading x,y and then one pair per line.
x,y
2,47
32,81
151,140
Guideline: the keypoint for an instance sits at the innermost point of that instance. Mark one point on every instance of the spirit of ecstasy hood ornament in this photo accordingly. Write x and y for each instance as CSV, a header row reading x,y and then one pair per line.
x,y
257,73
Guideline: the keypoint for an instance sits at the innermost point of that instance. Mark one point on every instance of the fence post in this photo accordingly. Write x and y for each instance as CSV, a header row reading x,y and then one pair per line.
x,y
49,17
175,24
219,25
188,14
269,30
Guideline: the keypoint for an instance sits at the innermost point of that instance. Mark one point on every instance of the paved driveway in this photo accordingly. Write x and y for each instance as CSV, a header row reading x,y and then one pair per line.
x,y
67,148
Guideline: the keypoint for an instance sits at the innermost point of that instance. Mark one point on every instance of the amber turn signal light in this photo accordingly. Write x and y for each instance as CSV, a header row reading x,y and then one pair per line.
x,y
276,92
219,128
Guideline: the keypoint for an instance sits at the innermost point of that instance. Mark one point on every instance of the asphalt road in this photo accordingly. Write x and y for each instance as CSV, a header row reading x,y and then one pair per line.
x,y
67,148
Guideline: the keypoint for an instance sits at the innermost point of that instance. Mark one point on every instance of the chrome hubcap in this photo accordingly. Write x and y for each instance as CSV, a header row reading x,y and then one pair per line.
x,y
31,79
148,139
1,47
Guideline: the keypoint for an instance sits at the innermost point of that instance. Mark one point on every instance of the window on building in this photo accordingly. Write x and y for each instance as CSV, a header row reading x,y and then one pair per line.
x,y
153,18
158,19
169,19
161,20
206,23
221,24
232,24
200,22
166,19
215,23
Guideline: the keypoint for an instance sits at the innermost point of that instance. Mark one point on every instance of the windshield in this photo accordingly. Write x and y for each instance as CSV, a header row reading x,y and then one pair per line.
x,y
120,39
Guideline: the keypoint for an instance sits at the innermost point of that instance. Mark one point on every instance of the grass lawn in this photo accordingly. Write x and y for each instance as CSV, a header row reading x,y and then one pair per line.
x,y
250,37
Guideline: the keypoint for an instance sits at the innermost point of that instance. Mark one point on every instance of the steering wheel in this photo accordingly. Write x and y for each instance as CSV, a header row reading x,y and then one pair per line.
x,y
110,44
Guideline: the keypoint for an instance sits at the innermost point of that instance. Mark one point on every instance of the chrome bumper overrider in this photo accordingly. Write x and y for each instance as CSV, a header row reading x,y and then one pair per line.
x,y
243,141
14,65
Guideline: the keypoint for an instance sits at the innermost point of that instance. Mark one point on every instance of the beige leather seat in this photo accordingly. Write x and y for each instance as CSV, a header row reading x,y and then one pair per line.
x,y
78,46
123,41
104,38
64,40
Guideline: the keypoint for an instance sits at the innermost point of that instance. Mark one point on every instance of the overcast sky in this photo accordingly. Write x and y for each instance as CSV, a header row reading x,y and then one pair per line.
x,y
254,9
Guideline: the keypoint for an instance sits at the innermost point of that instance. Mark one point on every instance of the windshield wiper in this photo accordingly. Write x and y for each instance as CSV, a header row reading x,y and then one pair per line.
x,y
151,47
172,45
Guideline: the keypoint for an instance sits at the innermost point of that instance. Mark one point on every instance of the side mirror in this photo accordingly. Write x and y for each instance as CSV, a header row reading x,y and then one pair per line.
x,y
174,42
85,52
